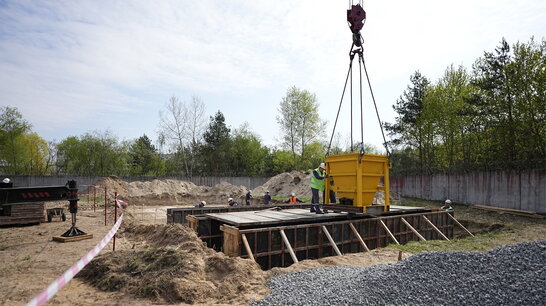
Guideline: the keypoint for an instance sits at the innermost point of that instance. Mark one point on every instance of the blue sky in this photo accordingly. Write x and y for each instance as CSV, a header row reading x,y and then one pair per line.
x,y
72,67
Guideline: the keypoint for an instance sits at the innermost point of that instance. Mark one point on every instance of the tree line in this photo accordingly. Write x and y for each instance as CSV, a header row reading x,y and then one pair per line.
x,y
187,145
491,118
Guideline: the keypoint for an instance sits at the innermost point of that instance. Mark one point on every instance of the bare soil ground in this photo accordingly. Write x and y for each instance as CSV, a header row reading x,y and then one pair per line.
x,y
182,270
169,264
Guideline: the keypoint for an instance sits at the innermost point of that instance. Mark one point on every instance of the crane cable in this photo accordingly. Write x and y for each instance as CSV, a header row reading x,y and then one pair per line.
x,y
349,73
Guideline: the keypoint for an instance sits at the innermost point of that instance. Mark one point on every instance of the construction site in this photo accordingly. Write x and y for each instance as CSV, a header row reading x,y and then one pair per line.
x,y
334,235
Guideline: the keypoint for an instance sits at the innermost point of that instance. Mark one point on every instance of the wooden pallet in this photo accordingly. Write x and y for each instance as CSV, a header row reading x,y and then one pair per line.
x,y
23,213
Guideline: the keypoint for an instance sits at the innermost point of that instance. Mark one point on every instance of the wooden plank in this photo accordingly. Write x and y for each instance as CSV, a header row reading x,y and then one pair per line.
x,y
388,231
459,224
435,228
247,247
287,243
232,241
359,237
518,212
73,238
332,242
413,229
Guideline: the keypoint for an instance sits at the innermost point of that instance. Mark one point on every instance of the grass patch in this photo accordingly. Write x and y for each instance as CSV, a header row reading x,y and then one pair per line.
x,y
480,242
305,200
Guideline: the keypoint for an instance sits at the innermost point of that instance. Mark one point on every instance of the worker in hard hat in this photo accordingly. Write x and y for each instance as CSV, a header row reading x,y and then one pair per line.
x,y
248,197
201,204
447,205
293,199
267,197
317,184
232,202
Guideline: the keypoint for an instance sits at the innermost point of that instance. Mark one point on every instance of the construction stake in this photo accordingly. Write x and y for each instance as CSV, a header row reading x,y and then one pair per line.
x,y
436,229
285,239
247,247
459,224
332,242
413,229
359,237
389,232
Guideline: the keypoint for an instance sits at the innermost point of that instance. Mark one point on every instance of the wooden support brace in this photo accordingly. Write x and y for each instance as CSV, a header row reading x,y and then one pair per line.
x,y
388,232
413,229
332,242
292,254
359,237
459,224
435,228
247,247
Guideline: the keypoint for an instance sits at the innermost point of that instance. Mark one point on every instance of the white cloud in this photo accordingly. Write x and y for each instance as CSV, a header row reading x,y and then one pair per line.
x,y
105,61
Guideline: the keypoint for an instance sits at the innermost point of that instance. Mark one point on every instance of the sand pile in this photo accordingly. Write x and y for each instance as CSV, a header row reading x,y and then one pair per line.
x,y
175,266
169,192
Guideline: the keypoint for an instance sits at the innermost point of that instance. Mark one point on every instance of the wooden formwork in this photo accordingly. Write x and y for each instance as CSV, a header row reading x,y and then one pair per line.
x,y
281,246
180,214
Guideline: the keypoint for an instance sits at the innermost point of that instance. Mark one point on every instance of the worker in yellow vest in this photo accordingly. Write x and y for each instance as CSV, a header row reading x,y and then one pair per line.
x,y
317,184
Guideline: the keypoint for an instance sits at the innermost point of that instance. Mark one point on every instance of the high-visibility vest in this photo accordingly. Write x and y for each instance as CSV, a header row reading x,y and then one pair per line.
x,y
316,183
293,200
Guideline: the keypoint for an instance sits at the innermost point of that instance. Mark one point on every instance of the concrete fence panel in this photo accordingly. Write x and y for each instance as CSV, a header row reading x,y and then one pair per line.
x,y
523,190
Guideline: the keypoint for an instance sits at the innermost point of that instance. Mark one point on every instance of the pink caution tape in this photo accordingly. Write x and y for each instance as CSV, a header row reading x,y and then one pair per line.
x,y
67,276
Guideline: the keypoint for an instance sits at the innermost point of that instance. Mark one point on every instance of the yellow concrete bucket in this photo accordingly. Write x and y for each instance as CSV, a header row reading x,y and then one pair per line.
x,y
356,178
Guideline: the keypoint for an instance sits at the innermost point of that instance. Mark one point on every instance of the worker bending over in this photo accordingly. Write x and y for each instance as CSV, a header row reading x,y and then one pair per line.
x,y
293,200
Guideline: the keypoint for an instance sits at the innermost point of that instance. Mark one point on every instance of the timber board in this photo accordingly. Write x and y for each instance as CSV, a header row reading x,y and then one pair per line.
x,y
247,218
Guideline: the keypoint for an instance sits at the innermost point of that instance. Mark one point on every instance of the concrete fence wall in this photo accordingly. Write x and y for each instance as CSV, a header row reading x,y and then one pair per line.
x,y
525,190
27,181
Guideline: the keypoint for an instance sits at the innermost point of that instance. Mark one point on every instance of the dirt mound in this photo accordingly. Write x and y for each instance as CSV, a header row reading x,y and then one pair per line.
x,y
170,192
285,183
297,182
176,267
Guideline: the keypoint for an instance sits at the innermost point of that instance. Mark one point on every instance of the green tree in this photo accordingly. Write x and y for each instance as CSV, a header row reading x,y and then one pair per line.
x,y
216,148
408,129
248,156
97,154
300,123
144,157
12,148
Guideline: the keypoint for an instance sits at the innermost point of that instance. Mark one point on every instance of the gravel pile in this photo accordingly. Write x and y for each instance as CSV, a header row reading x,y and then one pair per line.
x,y
508,275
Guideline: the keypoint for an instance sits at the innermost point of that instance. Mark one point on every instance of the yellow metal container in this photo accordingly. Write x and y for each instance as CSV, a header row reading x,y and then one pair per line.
x,y
357,177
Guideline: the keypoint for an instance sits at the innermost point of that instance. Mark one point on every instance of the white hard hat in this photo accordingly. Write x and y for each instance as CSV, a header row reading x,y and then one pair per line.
x,y
293,194
267,191
203,202
322,165
249,190
6,180
230,199
448,201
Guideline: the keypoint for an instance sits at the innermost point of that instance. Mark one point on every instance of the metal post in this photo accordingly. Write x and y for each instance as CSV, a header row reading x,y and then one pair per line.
x,y
115,217
105,201
94,198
